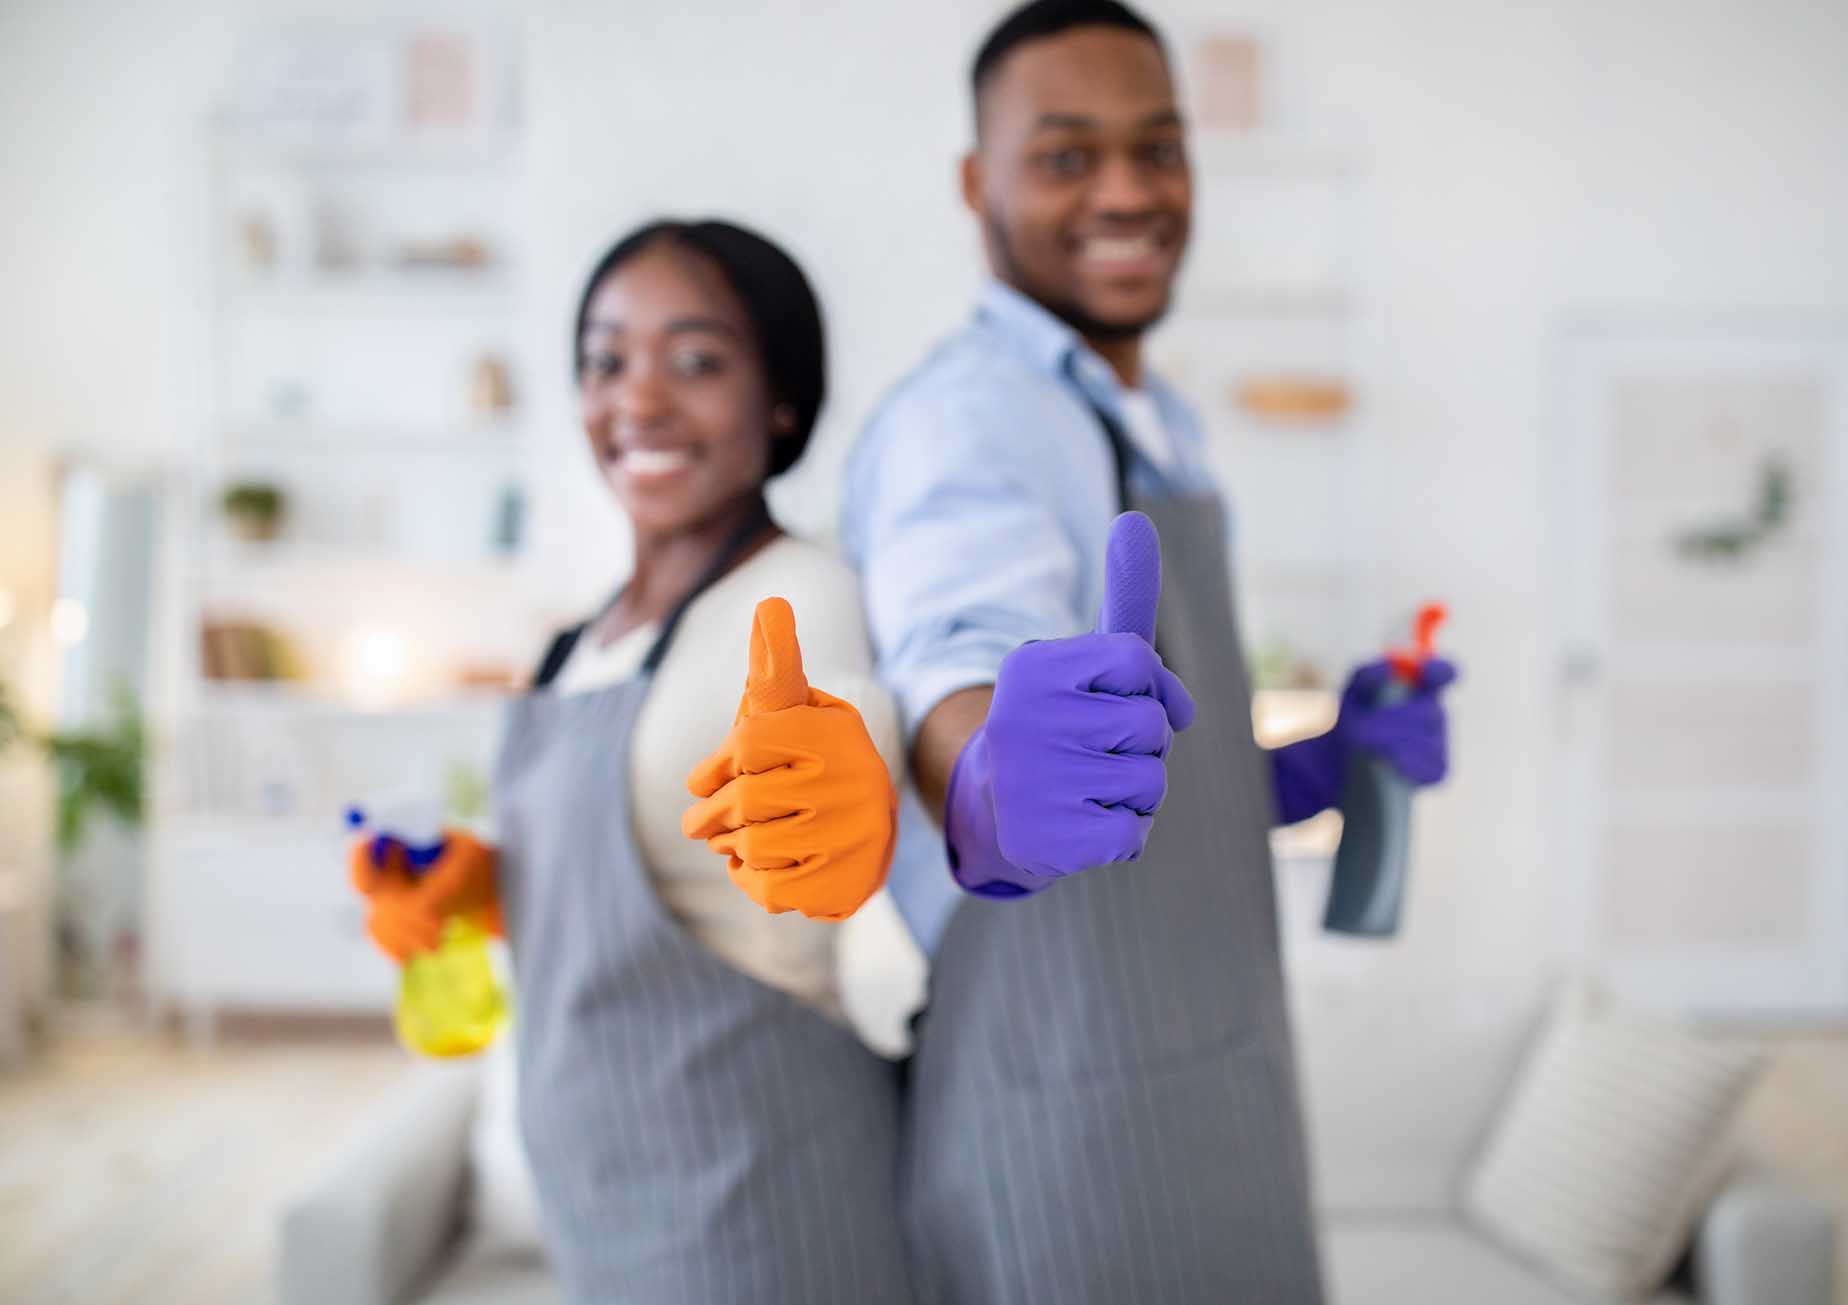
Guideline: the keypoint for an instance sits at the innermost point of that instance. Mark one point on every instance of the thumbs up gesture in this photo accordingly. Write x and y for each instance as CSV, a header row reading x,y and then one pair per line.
x,y
797,798
1070,766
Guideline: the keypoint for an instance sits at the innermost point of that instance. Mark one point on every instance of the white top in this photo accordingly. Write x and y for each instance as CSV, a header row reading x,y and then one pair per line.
x,y
1142,421
687,714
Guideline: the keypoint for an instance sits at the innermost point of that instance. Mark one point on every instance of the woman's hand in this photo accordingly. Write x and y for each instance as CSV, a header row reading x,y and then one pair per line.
x,y
797,797
408,910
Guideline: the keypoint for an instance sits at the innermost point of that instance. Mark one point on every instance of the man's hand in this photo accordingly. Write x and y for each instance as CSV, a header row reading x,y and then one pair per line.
x,y
1069,767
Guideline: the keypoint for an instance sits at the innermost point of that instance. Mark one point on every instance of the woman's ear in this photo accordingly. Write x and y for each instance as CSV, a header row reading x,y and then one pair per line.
x,y
782,421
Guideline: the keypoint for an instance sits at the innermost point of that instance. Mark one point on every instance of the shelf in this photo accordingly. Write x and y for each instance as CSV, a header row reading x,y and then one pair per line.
x,y
1264,301
373,290
308,436
1217,154
308,148
323,701
303,560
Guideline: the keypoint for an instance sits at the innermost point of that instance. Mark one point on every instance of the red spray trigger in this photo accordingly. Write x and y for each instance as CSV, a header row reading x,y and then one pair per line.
x,y
1408,663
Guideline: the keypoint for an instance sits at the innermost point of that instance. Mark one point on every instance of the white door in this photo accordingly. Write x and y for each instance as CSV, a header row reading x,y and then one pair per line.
x,y
1705,608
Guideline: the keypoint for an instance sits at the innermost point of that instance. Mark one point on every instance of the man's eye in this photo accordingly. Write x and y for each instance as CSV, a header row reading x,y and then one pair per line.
x,y
1069,162
1165,153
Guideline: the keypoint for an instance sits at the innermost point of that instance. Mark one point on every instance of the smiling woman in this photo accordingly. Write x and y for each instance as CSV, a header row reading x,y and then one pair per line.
x,y
672,1028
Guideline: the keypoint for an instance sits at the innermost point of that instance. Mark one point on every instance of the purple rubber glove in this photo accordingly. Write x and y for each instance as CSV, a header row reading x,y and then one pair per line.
x,y
1070,766
1410,732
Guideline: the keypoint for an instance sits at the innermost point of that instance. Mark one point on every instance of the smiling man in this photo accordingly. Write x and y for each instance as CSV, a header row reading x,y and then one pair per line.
x,y
1103,1104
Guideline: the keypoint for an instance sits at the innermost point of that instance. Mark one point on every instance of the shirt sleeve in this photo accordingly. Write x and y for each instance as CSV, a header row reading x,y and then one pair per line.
x,y
962,556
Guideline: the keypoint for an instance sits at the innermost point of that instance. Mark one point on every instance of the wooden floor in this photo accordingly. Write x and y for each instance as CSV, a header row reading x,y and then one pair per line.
x,y
136,1169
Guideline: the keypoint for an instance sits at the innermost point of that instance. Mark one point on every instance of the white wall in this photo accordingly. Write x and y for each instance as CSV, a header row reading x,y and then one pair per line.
x,y
1526,160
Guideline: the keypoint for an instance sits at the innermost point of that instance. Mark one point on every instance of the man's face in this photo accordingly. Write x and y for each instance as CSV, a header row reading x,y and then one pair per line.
x,y
1080,177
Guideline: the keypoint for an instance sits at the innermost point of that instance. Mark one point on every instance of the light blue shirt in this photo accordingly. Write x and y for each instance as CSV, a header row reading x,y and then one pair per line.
x,y
979,499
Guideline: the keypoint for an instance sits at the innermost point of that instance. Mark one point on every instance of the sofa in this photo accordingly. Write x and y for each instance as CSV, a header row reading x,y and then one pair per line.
x,y
1398,1095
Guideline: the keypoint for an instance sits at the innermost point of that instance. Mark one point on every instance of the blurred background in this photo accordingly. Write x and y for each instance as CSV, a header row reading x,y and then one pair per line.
x,y
1541,310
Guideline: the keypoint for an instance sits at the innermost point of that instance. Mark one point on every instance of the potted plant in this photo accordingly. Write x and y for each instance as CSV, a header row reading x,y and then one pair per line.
x,y
99,814
254,510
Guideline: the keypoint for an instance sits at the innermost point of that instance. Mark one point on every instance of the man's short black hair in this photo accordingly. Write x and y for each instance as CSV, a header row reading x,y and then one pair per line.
x,y
1038,19
777,297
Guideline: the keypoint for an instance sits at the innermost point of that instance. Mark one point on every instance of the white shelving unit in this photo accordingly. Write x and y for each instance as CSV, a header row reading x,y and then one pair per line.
x,y
341,369
1276,288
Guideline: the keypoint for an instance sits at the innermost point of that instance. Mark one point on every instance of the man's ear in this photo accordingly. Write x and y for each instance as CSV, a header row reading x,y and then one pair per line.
x,y
972,181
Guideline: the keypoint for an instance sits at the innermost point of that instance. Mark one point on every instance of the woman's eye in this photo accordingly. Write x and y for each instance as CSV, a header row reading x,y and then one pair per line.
x,y
602,366
698,363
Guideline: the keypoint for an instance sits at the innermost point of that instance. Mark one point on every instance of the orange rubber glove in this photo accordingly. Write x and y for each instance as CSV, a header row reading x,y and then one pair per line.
x,y
797,797
408,912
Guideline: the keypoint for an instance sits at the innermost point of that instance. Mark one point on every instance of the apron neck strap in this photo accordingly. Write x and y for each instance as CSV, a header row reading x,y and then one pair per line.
x,y
1120,452
722,561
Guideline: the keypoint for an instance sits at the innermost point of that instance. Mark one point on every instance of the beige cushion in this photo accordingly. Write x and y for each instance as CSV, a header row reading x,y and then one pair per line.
x,y
1610,1144
1430,1260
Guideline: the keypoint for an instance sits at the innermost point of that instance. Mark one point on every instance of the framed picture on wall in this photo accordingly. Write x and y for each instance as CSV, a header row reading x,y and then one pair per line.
x,y
1702,562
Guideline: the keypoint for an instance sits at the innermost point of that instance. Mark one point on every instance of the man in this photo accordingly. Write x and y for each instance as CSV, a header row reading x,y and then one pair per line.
x,y
1103,1105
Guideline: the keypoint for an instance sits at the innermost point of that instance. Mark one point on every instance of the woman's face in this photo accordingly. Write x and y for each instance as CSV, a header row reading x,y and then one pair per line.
x,y
672,389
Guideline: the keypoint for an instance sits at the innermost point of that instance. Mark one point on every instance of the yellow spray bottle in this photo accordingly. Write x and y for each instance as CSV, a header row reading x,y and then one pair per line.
x,y
450,1003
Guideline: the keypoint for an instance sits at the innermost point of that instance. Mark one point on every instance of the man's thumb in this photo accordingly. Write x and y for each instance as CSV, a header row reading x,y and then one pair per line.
x,y
1132,578
775,679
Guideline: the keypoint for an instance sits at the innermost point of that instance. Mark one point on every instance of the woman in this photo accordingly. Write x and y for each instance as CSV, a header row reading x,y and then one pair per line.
x,y
701,1124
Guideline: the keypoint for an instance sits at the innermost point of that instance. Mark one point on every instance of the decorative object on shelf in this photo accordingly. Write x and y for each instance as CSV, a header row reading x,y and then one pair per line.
x,y
1230,68
257,242
375,667
254,510
509,520
1278,666
465,792
246,650
314,81
460,252
288,398
497,677
1730,540
442,83
490,387
336,239
1294,399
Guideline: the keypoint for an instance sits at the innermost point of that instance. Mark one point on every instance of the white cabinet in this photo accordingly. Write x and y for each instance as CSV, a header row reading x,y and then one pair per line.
x,y
1705,602
261,917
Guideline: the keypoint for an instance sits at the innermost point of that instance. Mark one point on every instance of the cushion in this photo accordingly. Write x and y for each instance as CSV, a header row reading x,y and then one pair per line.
x,y
1381,1260
483,1276
1612,1141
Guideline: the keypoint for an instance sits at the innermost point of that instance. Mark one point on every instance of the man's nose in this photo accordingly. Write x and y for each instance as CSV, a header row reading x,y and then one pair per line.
x,y
1123,186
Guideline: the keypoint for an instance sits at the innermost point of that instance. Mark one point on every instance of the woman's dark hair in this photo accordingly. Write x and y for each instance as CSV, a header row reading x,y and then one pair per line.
x,y
777,298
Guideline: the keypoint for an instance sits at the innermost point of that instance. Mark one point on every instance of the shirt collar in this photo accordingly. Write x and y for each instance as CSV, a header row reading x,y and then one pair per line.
x,y
1052,345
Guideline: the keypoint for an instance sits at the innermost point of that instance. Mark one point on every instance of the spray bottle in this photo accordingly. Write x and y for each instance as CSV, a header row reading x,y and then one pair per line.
x,y
1368,885
449,1001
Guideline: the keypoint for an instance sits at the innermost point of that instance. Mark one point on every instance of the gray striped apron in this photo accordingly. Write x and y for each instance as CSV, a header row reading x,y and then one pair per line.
x,y
695,1135
1103,1099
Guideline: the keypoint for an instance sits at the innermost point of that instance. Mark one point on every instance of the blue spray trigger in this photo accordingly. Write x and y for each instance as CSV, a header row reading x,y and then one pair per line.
x,y
418,856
